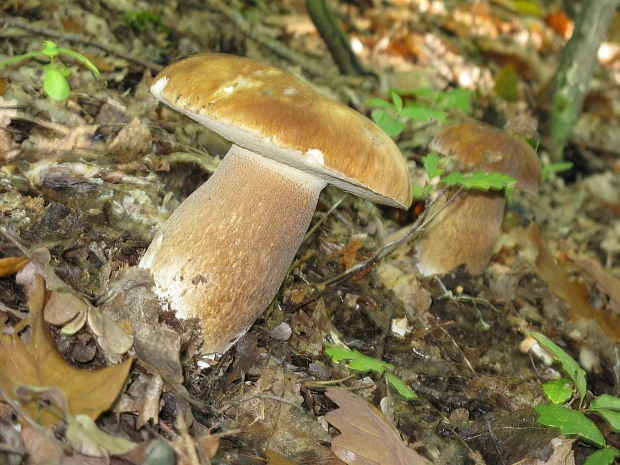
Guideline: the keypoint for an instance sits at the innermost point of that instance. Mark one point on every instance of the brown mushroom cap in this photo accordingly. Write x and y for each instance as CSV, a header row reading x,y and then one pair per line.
x,y
486,148
269,111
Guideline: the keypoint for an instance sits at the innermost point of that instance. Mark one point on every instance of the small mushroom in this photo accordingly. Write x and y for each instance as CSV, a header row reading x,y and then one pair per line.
x,y
224,252
465,231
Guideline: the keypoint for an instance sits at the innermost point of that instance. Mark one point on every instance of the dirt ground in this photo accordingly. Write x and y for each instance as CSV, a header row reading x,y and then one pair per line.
x,y
85,183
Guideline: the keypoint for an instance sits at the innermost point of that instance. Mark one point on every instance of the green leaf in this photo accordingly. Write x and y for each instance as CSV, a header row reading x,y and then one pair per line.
x,y
603,456
359,361
570,422
398,102
611,417
10,61
507,83
379,102
82,59
456,98
431,164
84,434
422,92
419,192
400,386
480,180
387,122
569,365
558,391
528,7
606,401
55,83
423,114
555,167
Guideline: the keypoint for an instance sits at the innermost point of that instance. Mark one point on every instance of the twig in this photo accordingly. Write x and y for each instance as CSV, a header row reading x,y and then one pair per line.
x,y
17,313
275,46
8,449
259,396
494,440
336,40
323,218
460,351
15,241
413,230
75,38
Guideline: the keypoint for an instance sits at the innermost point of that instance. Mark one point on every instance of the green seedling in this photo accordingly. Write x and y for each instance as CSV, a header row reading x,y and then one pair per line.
x,y
144,21
422,105
363,364
575,422
480,180
55,81
555,167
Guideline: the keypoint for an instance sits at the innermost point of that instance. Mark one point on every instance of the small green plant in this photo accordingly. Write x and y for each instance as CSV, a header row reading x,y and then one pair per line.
x,y
480,180
421,105
363,364
555,167
427,105
144,21
575,422
55,81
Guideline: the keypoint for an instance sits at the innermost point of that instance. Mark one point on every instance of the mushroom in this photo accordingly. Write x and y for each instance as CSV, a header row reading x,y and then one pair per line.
x,y
223,253
465,231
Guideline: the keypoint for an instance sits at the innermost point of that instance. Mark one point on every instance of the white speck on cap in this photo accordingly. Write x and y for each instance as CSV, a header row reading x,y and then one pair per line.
x,y
159,85
315,155
229,90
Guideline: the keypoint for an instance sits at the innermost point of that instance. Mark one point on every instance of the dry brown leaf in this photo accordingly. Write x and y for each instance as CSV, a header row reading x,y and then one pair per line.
x,y
38,363
10,265
367,438
151,406
274,458
562,453
607,283
574,293
134,139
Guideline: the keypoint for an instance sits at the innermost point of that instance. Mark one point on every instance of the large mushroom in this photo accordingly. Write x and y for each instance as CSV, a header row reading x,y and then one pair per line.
x,y
224,252
465,231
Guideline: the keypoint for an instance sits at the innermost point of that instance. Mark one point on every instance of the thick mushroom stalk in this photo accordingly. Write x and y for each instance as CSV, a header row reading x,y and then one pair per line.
x,y
464,232
223,263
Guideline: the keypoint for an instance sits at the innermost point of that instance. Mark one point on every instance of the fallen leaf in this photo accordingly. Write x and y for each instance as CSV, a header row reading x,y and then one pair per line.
x,y
607,283
86,438
562,453
151,406
367,438
349,254
574,293
38,363
112,338
134,139
10,265
42,446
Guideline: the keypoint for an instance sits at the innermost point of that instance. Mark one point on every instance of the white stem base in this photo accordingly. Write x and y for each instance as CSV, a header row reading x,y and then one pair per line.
x,y
223,254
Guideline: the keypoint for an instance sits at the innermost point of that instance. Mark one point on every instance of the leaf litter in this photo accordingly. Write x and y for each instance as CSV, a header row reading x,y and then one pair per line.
x,y
91,181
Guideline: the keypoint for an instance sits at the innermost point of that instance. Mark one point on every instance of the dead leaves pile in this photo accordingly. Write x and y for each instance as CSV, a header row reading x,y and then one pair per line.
x,y
367,438
40,384
37,364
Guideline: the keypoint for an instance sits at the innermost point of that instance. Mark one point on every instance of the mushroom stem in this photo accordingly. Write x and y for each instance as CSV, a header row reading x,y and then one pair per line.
x,y
224,252
464,232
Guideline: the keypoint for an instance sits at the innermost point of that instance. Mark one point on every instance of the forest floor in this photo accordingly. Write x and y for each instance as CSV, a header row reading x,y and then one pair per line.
x,y
85,183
